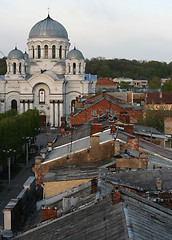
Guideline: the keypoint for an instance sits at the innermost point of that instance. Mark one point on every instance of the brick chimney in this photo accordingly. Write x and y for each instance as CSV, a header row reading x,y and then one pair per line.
x,y
48,213
116,195
95,128
129,128
132,143
95,120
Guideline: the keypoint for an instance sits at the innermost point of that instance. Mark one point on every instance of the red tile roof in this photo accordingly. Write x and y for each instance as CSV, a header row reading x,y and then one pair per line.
x,y
158,98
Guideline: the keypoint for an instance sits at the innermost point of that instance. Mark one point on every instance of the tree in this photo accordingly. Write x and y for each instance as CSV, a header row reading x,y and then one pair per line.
x,y
153,117
167,87
155,83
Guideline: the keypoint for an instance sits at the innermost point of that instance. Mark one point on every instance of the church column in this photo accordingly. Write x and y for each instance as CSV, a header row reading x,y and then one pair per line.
x,y
17,68
42,52
56,113
60,111
63,52
31,104
26,106
51,113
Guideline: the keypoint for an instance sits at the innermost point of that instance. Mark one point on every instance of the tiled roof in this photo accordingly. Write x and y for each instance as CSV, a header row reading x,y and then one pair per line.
x,y
158,98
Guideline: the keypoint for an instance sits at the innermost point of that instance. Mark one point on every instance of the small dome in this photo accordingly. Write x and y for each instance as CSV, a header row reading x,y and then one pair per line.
x,y
75,54
48,28
15,54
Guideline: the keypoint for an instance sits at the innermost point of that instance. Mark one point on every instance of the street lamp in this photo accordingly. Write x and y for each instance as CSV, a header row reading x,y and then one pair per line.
x,y
27,139
9,153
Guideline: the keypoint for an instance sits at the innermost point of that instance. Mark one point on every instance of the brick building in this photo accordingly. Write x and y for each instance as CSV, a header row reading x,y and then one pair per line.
x,y
101,105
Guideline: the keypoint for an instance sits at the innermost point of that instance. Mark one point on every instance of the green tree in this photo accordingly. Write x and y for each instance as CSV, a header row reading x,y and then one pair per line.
x,y
153,117
155,83
167,87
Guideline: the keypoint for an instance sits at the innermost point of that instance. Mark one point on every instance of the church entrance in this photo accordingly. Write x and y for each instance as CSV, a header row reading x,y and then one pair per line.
x,y
43,120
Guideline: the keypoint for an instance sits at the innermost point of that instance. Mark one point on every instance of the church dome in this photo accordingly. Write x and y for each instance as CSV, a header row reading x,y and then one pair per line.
x,y
15,54
75,54
48,28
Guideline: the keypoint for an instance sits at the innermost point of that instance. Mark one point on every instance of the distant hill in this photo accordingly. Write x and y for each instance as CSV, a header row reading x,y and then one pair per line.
x,y
120,68
128,68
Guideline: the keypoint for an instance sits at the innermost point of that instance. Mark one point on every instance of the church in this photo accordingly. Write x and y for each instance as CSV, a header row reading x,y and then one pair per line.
x,y
48,78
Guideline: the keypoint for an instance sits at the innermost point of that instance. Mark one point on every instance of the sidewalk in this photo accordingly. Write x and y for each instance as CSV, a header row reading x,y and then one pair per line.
x,y
16,185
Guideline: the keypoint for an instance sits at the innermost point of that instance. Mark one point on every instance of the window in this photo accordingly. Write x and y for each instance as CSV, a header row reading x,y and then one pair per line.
x,y
74,68
60,52
46,51
39,51
53,51
14,68
20,68
33,52
14,104
79,67
68,67
41,96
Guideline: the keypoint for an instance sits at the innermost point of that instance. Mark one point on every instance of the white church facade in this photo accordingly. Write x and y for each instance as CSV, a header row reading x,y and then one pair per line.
x,y
48,78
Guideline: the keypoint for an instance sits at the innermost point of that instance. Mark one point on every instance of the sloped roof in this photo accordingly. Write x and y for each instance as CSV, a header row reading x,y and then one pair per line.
x,y
158,98
100,220
144,180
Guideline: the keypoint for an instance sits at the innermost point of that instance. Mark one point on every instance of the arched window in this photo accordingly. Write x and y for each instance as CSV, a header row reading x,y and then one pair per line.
x,y
68,67
20,68
14,104
79,67
53,51
39,51
41,96
60,52
14,68
33,52
46,51
74,68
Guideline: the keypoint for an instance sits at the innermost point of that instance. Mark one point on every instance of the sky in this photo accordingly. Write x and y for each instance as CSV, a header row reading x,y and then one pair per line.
x,y
130,29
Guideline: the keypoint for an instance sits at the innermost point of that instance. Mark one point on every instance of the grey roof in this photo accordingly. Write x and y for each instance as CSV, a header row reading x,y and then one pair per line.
x,y
48,28
144,180
135,218
75,54
101,220
15,54
71,173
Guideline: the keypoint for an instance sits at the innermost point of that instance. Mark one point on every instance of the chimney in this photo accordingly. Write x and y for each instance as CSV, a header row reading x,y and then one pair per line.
x,y
50,144
48,213
38,160
129,128
95,120
159,184
96,128
112,129
116,195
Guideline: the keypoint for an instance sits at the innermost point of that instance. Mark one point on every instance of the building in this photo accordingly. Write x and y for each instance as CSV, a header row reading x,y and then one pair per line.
x,y
48,78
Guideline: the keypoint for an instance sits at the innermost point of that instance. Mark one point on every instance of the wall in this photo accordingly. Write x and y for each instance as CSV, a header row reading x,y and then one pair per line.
x,y
97,152
53,188
168,126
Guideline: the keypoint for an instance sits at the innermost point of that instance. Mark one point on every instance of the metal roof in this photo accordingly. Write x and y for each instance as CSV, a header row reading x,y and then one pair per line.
x,y
15,54
48,28
75,54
